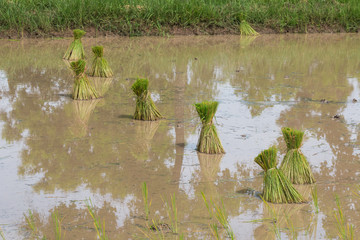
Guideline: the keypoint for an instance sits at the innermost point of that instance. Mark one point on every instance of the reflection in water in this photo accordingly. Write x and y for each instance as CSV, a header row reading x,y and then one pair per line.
x,y
57,151
82,113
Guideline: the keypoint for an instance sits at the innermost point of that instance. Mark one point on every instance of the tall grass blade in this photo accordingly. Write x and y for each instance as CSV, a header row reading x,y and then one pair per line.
x,y
345,230
147,204
314,195
99,227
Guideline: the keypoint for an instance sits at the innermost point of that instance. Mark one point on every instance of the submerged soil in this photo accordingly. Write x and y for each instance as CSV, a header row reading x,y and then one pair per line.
x,y
56,153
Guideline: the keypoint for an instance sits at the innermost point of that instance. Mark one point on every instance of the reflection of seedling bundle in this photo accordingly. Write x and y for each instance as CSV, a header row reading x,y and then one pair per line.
x,y
246,29
277,188
100,67
295,166
209,141
101,85
82,112
145,107
76,49
145,132
83,90
209,165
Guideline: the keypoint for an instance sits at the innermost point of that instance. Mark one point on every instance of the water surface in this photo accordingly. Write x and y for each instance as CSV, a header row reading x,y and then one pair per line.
x,y
55,152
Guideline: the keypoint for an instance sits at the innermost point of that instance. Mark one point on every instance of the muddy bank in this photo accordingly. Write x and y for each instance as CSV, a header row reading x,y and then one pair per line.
x,y
172,31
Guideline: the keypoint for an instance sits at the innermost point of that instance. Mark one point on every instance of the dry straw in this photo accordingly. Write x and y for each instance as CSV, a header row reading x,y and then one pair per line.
x,y
277,188
82,90
209,141
100,67
76,50
145,107
295,166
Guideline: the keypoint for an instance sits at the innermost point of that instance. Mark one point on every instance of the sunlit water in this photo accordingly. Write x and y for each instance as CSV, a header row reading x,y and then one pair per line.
x,y
55,153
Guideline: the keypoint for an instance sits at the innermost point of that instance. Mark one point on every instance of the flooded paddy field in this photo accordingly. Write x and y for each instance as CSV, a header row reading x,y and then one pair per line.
x,y
56,153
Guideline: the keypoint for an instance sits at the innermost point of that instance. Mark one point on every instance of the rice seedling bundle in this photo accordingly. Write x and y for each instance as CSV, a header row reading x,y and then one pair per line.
x,y
145,107
246,29
209,141
100,67
76,50
277,187
295,166
82,90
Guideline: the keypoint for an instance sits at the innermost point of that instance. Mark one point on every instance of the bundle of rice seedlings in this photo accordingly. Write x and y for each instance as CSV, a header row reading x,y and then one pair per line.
x,y
295,166
209,141
246,29
82,90
145,107
100,67
277,187
76,50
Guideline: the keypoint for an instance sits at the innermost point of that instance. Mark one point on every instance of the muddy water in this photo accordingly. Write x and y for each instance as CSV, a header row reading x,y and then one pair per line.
x,y
56,153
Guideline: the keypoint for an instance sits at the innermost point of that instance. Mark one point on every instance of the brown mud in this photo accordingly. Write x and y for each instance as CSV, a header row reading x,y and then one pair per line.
x,y
169,31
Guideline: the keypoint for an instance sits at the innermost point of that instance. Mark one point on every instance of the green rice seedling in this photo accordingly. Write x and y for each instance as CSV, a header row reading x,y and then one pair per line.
x,y
207,205
99,227
345,230
209,141
215,231
82,90
220,214
76,50
274,217
145,107
2,234
277,188
295,166
172,213
315,199
290,226
100,67
357,194
57,223
246,29
153,232
30,220
147,204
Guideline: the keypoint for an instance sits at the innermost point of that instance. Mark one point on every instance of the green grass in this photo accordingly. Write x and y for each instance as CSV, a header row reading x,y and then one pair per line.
x,y
149,17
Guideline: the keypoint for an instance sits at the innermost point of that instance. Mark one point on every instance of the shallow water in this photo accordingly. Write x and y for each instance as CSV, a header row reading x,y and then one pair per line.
x,y
55,152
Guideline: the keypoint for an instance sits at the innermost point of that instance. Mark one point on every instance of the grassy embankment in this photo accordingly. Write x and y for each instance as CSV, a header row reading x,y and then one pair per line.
x,y
159,17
